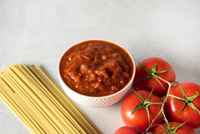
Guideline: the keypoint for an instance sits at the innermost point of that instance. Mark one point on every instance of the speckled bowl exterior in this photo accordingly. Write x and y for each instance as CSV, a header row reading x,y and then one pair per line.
x,y
101,101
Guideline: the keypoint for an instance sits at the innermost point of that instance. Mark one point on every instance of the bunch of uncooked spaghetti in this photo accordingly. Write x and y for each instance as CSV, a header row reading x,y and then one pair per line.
x,y
40,103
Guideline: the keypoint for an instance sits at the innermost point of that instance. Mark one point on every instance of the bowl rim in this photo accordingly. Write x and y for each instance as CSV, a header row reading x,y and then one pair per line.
x,y
107,41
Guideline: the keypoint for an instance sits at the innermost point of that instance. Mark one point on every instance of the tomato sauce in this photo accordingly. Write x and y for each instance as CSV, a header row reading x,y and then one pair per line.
x,y
96,68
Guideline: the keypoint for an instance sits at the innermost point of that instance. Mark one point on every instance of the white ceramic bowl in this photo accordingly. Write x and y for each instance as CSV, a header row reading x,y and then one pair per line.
x,y
102,100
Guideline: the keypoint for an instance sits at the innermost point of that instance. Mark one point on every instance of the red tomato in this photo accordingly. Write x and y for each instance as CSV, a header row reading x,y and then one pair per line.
x,y
148,69
184,105
173,128
136,106
126,130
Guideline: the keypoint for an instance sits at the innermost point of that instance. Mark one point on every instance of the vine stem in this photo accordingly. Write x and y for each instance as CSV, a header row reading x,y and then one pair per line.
x,y
178,98
161,112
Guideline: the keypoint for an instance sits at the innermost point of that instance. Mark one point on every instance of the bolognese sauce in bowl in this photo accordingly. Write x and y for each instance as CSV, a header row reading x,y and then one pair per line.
x,y
96,72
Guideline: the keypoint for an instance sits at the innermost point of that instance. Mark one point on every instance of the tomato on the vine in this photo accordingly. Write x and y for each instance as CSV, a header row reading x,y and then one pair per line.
x,y
139,108
183,104
172,128
149,70
126,130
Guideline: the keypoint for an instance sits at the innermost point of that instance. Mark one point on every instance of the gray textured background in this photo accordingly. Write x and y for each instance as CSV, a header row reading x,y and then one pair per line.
x,y
38,31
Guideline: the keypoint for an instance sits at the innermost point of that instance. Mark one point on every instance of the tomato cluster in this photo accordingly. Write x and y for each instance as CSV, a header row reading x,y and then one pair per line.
x,y
158,104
